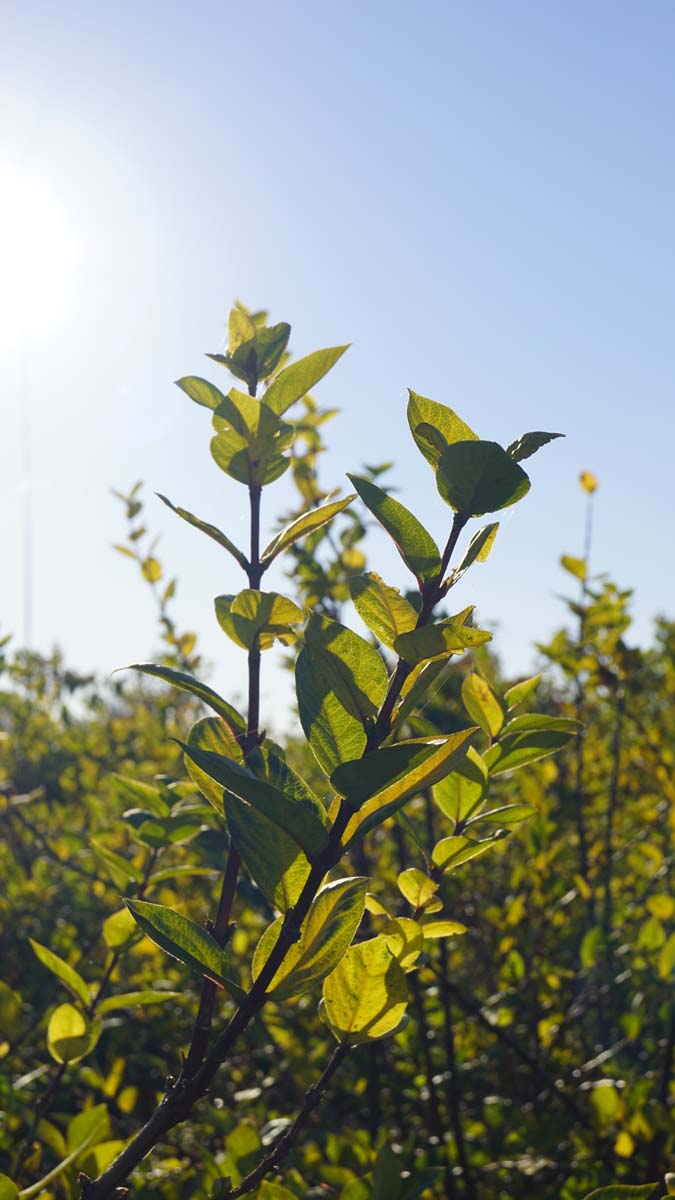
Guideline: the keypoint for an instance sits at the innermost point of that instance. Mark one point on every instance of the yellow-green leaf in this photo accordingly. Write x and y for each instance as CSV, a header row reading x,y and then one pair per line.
x,y
382,608
307,523
63,971
71,1035
326,933
258,618
482,705
365,997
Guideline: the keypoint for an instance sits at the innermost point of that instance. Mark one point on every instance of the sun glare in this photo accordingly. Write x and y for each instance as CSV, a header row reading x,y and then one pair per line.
x,y
36,260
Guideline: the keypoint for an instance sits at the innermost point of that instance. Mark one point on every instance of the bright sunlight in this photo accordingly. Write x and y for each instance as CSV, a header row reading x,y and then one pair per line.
x,y
36,259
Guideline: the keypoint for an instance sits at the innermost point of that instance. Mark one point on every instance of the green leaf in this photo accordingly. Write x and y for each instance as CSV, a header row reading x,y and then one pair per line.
x,y
513,752
92,1125
71,1035
397,771
11,1012
307,523
435,426
356,672
249,439
425,678
296,815
8,1189
482,705
274,1191
520,691
529,443
418,889
273,859
667,958
201,391
407,768
381,607
341,682
270,344
181,938
478,549
210,530
211,733
132,999
119,930
326,933
333,732
452,852
443,929
240,327
479,477
186,683
506,814
463,789
67,974
438,641
300,377
533,721
416,547
119,869
365,997
575,566
405,939
254,618
143,795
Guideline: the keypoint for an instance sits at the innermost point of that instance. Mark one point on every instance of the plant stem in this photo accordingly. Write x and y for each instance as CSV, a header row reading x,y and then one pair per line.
x,y
221,926
179,1099
312,1098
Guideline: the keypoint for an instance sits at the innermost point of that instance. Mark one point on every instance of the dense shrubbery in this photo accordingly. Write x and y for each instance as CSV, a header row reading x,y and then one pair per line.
x,y
536,969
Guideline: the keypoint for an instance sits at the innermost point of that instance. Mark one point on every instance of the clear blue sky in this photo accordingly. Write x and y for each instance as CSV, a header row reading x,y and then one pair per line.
x,y
479,197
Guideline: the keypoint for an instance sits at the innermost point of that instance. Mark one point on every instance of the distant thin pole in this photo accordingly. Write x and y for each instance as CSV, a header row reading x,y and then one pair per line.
x,y
27,508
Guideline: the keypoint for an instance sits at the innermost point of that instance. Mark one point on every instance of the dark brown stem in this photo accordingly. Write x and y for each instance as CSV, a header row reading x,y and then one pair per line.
x,y
183,1095
221,927
312,1098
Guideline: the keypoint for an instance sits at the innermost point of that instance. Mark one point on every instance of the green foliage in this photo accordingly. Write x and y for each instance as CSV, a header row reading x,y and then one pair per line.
x,y
510,968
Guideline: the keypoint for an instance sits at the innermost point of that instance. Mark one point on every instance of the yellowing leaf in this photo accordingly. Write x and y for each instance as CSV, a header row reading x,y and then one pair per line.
x,y
71,1035
330,925
588,481
482,704
366,996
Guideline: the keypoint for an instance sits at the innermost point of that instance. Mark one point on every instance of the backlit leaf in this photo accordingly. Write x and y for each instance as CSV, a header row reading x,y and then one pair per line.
x,y
258,618
438,641
416,547
67,974
71,1035
210,530
435,426
365,997
529,443
296,815
482,705
327,931
307,523
381,607
479,477
181,938
300,377
202,691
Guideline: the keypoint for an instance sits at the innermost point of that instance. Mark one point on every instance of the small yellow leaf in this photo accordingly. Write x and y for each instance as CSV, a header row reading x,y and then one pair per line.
x,y
624,1145
152,570
588,481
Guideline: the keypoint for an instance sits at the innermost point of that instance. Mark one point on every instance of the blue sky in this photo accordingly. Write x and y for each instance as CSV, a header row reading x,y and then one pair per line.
x,y
479,197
